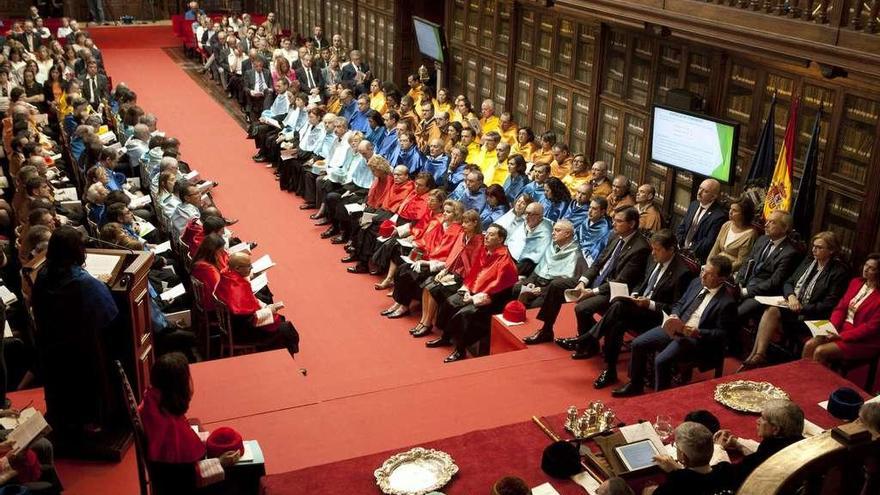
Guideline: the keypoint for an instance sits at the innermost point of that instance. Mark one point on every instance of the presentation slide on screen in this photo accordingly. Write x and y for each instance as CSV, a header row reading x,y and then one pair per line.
x,y
692,143
428,38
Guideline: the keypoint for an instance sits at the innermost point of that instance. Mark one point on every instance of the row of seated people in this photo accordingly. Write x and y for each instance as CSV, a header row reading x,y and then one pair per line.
x,y
101,147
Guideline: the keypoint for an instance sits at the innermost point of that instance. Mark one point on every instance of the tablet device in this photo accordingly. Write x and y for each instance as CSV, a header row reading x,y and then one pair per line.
x,y
637,455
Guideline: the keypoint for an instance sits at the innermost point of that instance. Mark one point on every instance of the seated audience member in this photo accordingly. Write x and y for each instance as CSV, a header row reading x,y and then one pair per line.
x,y
516,177
544,153
525,144
309,139
137,146
114,232
96,195
620,195
31,468
166,199
592,234
502,169
560,259
689,471
252,320
810,293
856,318
436,162
528,241
698,326
579,208
35,241
599,180
650,219
556,199
496,205
487,158
516,216
190,203
465,316
208,263
614,486
737,235
578,175
666,278
623,261
780,424
406,153
471,191
702,221
540,174
772,260
171,440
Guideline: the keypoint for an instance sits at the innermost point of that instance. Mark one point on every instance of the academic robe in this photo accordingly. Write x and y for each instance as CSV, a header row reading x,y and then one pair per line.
x,y
170,439
193,235
554,210
490,214
592,238
396,194
526,151
388,144
487,161
490,124
377,102
437,166
540,155
576,213
572,181
535,190
74,313
440,247
560,170
470,200
412,158
494,272
359,173
235,291
209,276
455,177
534,242
378,188
558,262
359,122
375,135
514,186
415,208
464,253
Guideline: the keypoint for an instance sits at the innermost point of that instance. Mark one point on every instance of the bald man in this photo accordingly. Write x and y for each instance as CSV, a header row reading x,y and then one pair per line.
x,y
253,321
705,216
599,179
561,259
650,218
488,121
620,196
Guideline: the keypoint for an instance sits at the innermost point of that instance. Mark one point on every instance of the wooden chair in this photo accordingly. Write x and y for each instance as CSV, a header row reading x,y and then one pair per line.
x,y
203,321
228,347
140,439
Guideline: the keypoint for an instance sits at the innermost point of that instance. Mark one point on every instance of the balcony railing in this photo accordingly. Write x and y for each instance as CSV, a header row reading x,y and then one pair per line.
x,y
857,15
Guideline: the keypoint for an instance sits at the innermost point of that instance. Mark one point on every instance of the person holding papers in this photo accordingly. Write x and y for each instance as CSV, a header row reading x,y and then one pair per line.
x,y
699,227
560,259
528,241
175,451
310,136
689,472
189,207
697,328
208,263
810,293
772,260
253,321
267,127
856,319
665,280
257,84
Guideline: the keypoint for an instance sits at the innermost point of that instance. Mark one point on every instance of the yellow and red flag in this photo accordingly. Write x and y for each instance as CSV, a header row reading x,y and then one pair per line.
x,y
779,193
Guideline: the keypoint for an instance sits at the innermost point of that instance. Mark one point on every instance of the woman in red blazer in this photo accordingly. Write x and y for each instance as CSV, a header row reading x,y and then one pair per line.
x,y
856,317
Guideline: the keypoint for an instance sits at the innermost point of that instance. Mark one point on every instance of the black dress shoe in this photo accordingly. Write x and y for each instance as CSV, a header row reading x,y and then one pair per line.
x,y
455,356
359,268
578,355
316,216
328,233
348,259
606,377
423,332
260,159
441,342
307,206
231,221
322,223
350,249
568,344
253,245
628,390
539,337
338,240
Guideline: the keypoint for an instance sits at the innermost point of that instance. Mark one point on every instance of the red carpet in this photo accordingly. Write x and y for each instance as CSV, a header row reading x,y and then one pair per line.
x,y
370,387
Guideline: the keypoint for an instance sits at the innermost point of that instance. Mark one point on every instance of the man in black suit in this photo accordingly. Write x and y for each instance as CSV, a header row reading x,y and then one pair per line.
x,y
29,37
258,88
358,72
318,38
665,280
247,41
95,87
623,260
772,260
698,326
309,76
704,218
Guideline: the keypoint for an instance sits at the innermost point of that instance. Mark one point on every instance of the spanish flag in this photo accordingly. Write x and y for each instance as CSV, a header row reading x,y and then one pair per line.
x,y
780,191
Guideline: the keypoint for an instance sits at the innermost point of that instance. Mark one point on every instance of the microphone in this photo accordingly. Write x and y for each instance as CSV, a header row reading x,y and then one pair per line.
x,y
111,244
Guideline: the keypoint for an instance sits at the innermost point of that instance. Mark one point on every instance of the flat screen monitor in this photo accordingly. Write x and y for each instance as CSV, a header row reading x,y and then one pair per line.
x,y
696,143
430,38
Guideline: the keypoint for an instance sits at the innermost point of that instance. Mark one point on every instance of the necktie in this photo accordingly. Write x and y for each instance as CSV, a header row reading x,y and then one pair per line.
x,y
309,79
260,84
692,307
807,281
689,237
652,280
94,89
609,265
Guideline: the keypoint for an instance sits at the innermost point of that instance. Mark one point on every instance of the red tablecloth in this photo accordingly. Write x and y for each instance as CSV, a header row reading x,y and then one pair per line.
x,y
486,455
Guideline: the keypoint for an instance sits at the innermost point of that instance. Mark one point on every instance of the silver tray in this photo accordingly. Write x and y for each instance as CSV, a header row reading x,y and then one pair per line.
x,y
415,472
747,396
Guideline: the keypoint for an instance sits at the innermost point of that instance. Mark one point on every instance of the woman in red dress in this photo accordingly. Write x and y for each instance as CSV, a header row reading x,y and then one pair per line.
x,y
856,318
209,262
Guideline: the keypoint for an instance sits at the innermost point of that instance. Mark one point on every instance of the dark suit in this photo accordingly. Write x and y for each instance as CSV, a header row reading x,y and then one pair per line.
x,y
628,269
25,39
816,304
317,79
245,44
319,42
102,89
717,321
706,231
624,314
349,73
764,275
256,104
